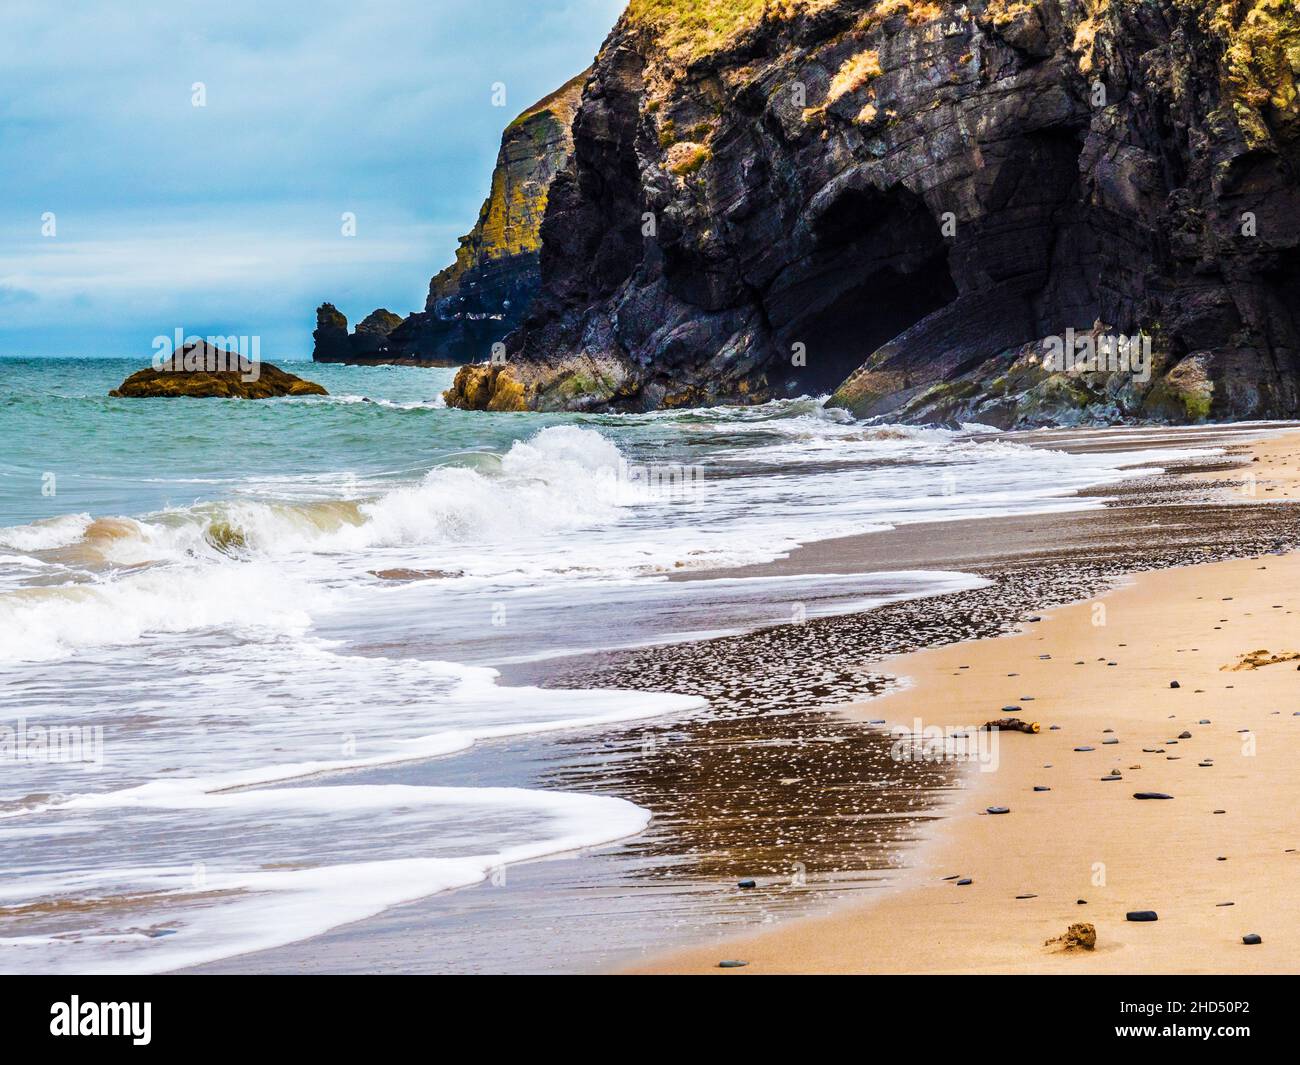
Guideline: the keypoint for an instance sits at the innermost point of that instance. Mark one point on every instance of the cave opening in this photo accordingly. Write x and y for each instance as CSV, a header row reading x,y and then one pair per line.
x,y
871,312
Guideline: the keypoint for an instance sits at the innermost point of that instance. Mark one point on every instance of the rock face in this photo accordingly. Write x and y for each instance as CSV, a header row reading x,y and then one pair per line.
x,y
201,372
483,295
915,204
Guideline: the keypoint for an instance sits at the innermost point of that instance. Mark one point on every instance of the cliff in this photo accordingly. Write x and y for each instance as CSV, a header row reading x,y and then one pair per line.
x,y
483,295
914,204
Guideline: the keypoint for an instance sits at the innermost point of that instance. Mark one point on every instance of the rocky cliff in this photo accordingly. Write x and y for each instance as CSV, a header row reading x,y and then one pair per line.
x,y
483,295
916,204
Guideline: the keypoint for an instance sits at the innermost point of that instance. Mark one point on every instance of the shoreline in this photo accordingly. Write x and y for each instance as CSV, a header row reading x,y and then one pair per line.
x,y
1088,838
753,786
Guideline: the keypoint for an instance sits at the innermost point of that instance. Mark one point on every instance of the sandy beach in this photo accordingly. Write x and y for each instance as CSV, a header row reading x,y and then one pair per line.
x,y
1098,674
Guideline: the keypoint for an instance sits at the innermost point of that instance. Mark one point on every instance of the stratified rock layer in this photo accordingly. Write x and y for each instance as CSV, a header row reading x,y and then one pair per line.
x,y
900,201
483,295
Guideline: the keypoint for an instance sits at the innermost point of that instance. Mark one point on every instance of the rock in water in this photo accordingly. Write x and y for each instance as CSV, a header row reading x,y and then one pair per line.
x,y
176,378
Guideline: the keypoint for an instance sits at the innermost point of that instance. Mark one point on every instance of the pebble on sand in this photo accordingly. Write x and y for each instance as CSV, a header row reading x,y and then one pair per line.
x,y
1174,684
746,884
1085,748
1251,939
1041,787
1141,915
999,809
1151,795
964,881
732,964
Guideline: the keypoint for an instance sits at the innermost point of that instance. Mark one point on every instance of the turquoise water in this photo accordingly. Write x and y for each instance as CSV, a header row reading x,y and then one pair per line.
x,y
207,598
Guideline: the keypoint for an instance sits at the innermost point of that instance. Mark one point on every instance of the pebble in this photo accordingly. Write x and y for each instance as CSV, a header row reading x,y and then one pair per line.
x,y
746,884
1010,709
1109,741
1081,902
1184,735
732,964
1251,940
1113,776
1026,896
1207,764
1151,795
1041,787
1220,811
1085,748
1141,915
964,881
1174,684
999,810
1204,721
1220,905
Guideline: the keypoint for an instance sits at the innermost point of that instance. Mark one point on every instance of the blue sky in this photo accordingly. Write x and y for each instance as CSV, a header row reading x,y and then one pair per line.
x,y
226,218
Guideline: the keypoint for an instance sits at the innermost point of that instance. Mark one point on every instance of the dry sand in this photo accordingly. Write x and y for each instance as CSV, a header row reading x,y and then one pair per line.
x,y
1087,838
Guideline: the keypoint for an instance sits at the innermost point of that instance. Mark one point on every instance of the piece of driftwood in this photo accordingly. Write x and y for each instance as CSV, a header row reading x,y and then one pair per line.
x,y
1012,724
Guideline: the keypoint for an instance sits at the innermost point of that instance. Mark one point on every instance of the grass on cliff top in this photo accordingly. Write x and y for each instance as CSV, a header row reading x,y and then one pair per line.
x,y
688,29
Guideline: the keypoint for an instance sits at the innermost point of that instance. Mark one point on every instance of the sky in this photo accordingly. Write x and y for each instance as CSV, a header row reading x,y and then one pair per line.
x,y
127,212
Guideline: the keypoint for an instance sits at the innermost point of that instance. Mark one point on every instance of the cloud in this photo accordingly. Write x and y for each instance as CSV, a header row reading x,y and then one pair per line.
x,y
312,109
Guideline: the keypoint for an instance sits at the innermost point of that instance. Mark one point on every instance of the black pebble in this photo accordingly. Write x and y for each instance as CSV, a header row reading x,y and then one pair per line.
x,y
964,881
1174,684
1151,795
999,810
746,884
1141,915
732,964
1041,787
1251,939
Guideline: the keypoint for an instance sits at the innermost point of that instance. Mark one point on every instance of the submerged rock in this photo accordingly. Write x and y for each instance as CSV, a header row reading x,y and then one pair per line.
x,y
176,378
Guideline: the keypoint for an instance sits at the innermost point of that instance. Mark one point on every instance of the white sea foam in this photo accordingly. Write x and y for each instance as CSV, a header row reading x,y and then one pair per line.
x,y
232,644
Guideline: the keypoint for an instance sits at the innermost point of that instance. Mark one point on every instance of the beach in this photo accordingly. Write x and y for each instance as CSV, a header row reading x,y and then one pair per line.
x,y
540,695
1086,850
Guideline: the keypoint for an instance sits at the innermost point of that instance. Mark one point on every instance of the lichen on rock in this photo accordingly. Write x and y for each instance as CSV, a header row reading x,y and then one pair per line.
x,y
902,201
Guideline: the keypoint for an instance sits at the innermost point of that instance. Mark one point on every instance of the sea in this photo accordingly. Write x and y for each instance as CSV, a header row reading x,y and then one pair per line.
x,y
214,613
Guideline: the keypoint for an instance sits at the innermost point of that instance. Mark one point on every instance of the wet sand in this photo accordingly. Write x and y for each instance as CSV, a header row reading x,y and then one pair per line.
x,y
769,783
1098,675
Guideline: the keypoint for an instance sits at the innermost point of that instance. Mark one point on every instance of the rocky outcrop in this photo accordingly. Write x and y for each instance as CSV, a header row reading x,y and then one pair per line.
x,y
202,371
483,295
911,204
